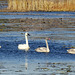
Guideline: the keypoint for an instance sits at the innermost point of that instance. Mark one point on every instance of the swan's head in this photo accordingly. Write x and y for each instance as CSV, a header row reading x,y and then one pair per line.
x,y
27,34
48,39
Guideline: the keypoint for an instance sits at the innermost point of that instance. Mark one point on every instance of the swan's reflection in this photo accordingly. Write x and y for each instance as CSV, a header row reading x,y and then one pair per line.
x,y
26,62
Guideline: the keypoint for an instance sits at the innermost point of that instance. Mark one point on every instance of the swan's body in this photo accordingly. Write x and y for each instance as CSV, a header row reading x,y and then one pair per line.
x,y
72,51
43,49
24,46
0,46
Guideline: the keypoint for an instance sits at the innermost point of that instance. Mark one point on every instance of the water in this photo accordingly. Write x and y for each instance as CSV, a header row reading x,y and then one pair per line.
x,y
3,4
15,61
18,62
18,15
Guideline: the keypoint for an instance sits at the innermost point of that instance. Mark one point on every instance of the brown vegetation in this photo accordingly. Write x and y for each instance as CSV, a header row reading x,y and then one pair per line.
x,y
41,5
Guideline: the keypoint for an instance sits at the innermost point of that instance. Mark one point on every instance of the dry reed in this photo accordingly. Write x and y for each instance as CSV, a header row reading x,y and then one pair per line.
x,y
41,5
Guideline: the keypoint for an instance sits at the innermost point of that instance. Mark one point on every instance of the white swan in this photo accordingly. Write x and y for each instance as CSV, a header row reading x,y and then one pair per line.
x,y
72,51
24,46
0,46
43,49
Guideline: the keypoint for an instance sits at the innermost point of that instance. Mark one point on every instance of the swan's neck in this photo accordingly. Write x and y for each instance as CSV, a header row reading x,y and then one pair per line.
x,y
26,40
47,46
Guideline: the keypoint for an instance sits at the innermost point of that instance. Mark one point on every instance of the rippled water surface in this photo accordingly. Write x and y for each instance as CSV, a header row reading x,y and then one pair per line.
x,y
18,15
18,62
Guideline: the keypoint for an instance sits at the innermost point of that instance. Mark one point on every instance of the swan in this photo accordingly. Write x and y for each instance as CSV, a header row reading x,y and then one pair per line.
x,y
72,51
24,46
43,49
0,46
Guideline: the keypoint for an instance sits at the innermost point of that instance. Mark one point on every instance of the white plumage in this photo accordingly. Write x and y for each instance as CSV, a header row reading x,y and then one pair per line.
x,y
72,51
43,49
0,46
24,46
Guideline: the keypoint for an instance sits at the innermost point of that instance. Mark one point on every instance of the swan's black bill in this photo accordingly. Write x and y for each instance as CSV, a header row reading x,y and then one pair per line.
x,y
28,34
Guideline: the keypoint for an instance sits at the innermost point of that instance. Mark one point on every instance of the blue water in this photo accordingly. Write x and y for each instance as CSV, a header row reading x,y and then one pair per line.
x,y
18,62
18,15
17,59
3,4
10,40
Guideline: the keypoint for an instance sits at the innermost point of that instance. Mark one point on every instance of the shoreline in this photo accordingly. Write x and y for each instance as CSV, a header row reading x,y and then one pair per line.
x,y
8,10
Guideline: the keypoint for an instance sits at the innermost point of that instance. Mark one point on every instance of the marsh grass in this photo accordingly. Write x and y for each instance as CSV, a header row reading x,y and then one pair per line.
x,y
41,5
